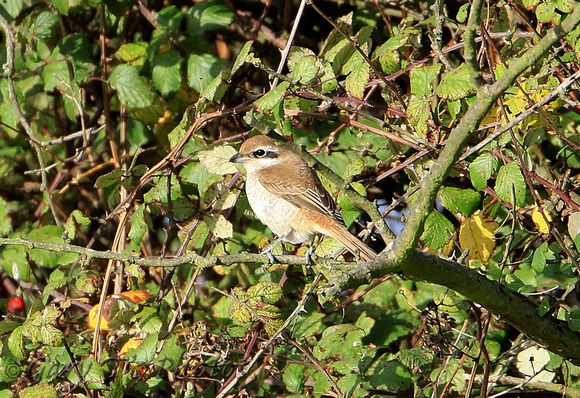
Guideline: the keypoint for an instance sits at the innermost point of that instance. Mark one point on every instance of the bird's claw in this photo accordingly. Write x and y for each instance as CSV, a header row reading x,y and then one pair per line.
x,y
271,257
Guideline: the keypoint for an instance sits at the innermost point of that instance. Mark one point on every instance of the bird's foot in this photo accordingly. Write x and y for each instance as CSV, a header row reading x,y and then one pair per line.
x,y
271,258
308,255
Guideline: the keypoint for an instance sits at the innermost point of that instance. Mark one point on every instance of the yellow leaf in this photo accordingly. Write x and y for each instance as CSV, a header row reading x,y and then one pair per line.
x,y
476,234
92,319
539,220
131,343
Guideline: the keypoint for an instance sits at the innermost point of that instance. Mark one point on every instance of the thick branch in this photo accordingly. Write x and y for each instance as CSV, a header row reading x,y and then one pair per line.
x,y
511,307
486,96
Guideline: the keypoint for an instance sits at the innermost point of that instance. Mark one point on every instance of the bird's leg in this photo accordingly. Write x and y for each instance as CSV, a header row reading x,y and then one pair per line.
x,y
316,239
309,254
268,250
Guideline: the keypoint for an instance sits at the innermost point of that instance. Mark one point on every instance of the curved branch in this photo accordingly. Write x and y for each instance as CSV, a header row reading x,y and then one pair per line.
x,y
511,307
486,96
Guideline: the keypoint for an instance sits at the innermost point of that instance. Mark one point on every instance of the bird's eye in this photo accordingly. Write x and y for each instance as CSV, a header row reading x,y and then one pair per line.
x,y
259,153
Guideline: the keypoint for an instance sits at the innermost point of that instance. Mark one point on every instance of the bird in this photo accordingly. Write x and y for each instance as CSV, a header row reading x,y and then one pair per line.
x,y
287,196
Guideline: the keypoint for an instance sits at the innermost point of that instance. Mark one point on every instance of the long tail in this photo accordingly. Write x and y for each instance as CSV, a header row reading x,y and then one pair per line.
x,y
351,242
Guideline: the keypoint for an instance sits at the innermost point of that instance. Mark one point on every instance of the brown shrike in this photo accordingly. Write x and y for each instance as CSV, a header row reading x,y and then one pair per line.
x,y
287,196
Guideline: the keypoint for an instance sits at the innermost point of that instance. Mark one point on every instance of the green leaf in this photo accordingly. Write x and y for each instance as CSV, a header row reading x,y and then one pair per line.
x,y
9,370
574,319
464,201
241,58
544,307
357,79
8,326
171,355
76,218
463,13
91,372
44,28
56,74
169,19
455,84
307,70
16,263
351,385
438,230
133,54
481,170
545,12
149,320
57,280
132,90
219,197
48,234
308,326
267,292
77,47
530,3
13,7
419,112
215,90
540,257
38,391
416,357
390,62
15,342
421,78
5,219
109,179
329,82
202,69
510,184
293,377
139,227
206,16
166,74
273,97
391,376
62,6
296,54
145,354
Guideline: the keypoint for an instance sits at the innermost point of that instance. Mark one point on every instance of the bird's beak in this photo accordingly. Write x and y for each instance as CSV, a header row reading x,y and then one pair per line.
x,y
237,158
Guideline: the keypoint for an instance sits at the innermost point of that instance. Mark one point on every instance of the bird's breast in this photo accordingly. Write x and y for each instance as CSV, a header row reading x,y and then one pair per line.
x,y
276,212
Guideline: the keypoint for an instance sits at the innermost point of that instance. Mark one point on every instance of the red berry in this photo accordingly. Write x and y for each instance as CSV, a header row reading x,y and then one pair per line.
x,y
16,304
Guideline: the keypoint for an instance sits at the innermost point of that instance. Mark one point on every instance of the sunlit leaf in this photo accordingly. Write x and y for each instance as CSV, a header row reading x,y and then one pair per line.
x,y
540,221
217,159
477,235
510,184
438,230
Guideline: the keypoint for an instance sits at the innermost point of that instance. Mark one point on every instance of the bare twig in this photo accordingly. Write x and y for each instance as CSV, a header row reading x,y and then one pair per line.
x,y
299,308
8,71
290,41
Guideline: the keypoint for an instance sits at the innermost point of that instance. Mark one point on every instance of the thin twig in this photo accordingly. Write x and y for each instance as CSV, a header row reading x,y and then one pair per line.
x,y
299,308
290,41
8,70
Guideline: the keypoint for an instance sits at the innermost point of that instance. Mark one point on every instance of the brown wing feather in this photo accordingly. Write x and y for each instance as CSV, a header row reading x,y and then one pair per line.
x,y
291,185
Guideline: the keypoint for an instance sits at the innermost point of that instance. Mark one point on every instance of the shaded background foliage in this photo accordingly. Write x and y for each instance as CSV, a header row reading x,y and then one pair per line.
x,y
129,112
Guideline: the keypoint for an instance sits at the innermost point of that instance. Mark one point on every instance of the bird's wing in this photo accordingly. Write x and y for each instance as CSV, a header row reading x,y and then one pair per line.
x,y
302,188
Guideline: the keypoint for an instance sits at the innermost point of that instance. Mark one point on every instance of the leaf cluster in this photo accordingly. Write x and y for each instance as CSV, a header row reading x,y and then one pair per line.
x,y
118,120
